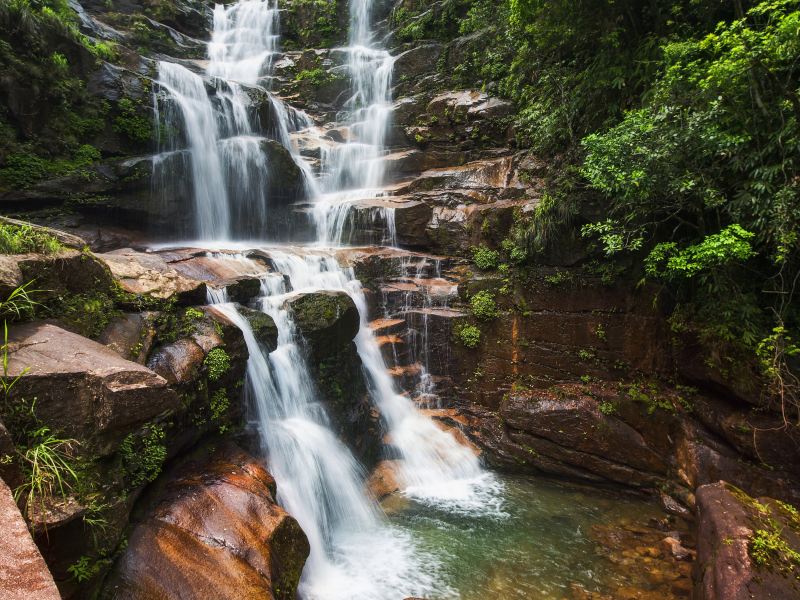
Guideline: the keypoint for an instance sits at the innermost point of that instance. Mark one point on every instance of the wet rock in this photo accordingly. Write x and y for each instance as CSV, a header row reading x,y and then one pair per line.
x,y
416,61
23,572
216,527
727,567
82,388
264,328
673,547
148,274
384,479
325,319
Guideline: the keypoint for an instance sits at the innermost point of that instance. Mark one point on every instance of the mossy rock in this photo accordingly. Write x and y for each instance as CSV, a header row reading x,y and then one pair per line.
x,y
327,320
264,328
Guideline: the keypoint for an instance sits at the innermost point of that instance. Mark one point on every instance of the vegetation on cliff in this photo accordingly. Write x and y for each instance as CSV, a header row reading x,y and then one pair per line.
x,y
673,132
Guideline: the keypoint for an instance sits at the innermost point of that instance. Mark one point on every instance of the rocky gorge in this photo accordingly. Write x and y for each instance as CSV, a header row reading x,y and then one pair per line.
x,y
229,357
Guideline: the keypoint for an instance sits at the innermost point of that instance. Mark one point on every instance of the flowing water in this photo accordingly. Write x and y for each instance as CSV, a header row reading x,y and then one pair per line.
x,y
212,133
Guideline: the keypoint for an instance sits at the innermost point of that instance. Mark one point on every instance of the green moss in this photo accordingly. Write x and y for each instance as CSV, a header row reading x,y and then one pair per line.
x,y
21,239
143,455
217,363
88,314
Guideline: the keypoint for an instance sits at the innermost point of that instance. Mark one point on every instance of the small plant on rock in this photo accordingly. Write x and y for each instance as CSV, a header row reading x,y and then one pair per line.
x,y
483,306
470,336
217,363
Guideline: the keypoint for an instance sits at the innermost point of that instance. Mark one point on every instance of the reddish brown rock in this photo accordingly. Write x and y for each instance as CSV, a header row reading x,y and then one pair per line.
x,y
23,572
82,388
384,479
216,532
726,570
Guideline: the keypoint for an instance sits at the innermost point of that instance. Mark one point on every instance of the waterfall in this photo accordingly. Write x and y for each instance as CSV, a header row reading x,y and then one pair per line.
x,y
355,552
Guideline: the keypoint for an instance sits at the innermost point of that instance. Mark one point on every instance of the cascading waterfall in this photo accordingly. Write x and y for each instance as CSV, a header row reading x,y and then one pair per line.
x,y
355,553
353,172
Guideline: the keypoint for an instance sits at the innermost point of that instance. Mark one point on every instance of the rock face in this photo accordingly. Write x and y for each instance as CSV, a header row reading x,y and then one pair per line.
x,y
745,546
23,572
83,388
216,531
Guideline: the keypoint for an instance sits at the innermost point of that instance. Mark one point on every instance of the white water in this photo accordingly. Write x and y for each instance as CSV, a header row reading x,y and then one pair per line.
x,y
355,553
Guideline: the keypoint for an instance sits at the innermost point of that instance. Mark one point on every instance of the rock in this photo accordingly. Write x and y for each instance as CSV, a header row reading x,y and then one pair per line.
x,y
216,527
82,388
673,547
327,320
264,328
23,572
131,335
570,436
66,239
63,273
411,222
727,567
418,60
384,480
148,274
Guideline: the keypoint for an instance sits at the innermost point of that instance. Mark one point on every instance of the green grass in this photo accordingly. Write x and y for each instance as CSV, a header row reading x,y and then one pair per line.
x,y
48,470
21,239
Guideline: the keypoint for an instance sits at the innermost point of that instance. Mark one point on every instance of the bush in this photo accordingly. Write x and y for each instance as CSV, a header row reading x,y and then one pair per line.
x,y
484,306
485,259
470,336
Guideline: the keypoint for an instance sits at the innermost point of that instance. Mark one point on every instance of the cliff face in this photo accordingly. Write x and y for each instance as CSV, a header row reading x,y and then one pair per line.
x,y
550,365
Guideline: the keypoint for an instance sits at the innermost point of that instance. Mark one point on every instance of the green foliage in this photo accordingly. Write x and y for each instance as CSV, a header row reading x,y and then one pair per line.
x,y
131,122
89,314
316,77
469,335
715,251
769,548
607,408
21,239
483,306
218,406
217,363
484,258
86,568
143,455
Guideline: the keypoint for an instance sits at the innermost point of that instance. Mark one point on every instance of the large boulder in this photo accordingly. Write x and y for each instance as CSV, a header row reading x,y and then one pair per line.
x,y
150,275
746,548
82,388
216,531
23,572
327,320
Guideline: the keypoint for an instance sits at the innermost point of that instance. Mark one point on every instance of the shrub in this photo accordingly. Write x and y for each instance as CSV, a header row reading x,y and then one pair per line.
x,y
143,455
470,336
484,306
485,258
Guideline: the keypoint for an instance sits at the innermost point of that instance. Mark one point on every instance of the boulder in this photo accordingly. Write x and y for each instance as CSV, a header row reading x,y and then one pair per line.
x,y
745,546
23,572
264,328
131,335
63,273
149,274
327,320
82,388
571,437
216,530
